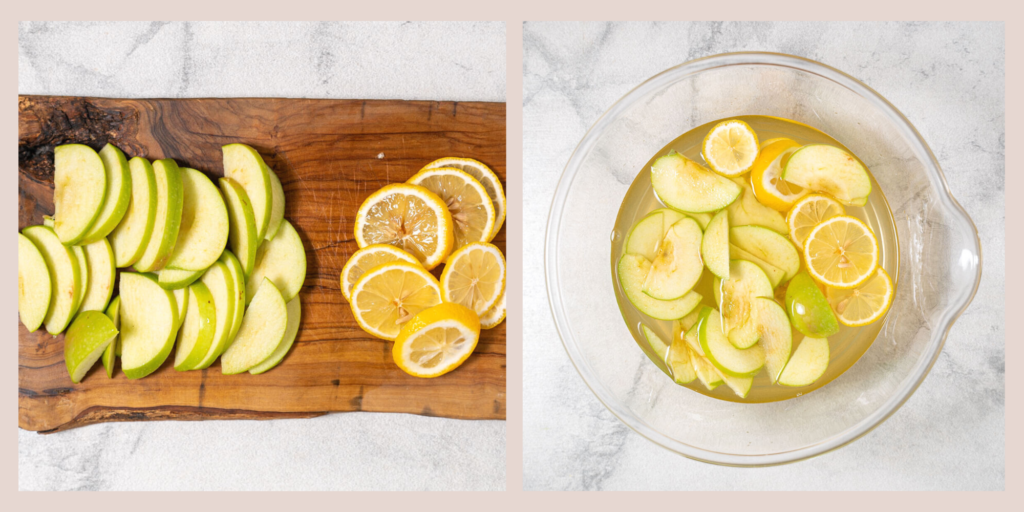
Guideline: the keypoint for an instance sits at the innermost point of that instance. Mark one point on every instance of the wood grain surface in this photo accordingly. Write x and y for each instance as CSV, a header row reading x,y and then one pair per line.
x,y
330,155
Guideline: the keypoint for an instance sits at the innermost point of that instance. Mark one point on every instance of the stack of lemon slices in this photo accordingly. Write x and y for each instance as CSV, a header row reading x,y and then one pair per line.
x,y
447,213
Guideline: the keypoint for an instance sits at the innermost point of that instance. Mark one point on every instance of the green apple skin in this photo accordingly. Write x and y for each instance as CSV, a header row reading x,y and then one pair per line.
x,y
277,211
176,279
678,266
201,304
119,193
89,335
244,165
808,308
632,269
33,284
685,185
65,278
291,330
262,331
203,230
163,309
170,196
80,176
242,239
238,279
99,260
131,236
219,280
283,261
808,364
824,168
110,354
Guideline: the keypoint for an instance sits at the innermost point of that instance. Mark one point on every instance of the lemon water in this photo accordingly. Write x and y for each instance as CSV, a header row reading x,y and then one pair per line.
x,y
845,348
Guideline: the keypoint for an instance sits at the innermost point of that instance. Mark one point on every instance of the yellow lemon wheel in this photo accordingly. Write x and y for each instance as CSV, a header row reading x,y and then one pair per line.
x,y
808,213
389,295
494,316
467,200
864,304
366,258
474,276
730,148
486,177
841,252
437,340
409,217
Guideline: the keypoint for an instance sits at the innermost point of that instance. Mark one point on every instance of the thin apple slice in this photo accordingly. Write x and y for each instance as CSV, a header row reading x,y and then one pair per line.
x,y
277,207
83,274
148,318
739,385
768,246
748,211
131,236
169,199
245,166
776,335
242,233
171,279
79,188
221,284
181,298
808,364
721,353
703,219
283,261
65,278
203,232
691,337
118,195
646,235
775,274
678,360
714,247
294,318
99,259
678,266
196,332
262,331
238,287
687,186
706,372
735,298
824,168
632,270
86,340
110,354
33,284
658,345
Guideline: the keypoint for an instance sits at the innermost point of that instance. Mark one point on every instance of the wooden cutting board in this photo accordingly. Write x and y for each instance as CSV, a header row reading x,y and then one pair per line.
x,y
330,156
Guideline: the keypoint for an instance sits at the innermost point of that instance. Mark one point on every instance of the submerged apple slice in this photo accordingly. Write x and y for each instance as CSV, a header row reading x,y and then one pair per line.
x,y
735,298
33,284
715,245
281,260
99,260
739,385
721,353
706,372
131,236
89,335
169,198
196,332
687,186
691,337
277,208
148,317
262,331
824,168
118,195
242,233
808,308
114,313
768,246
748,211
65,277
775,274
221,285
79,188
658,345
678,359
632,270
678,266
238,287
294,317
203,232
776,335
245,166
171,279
808,364
646,234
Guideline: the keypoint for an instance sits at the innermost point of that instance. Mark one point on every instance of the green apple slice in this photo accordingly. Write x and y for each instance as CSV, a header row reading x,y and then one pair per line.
x,y
86,340
220,283
131,236
768,246
79,188
808,308
294,317
262,330
706,372
114,313
721,353
739,385
171,279
776,335
691,338
775,274
169,199
646,235
657,344
33,284
685,185
148,317
203,232
118,195
703,219
632,270
277,208
238,285
83,275
242,233
283,261
65,277
714,247
678,266
735,298
748,211
808,364
678,359
828,169
196,332
99,260
181,298
245,166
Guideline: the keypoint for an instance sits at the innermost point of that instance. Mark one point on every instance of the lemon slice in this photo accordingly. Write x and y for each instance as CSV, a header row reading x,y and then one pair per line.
x,y
409,217
766,176
864,304
730,148
492,317
808,213
841,252
486,177
389,295
436,341
366,258
467,200
474,276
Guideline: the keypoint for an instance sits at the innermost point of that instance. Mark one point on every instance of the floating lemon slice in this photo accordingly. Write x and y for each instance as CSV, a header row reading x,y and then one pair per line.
x,y
409,217
486,177
766,176
864,304
730,148
436,341
467,200
474,276
389,295
841,252
492,317
366,258
808,213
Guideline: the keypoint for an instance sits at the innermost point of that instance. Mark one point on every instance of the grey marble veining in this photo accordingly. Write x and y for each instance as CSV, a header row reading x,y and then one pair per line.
x,y
430,61
948,79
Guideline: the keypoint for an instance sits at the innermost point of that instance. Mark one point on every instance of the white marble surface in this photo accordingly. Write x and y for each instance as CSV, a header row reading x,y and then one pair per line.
x,y
438,61
948,80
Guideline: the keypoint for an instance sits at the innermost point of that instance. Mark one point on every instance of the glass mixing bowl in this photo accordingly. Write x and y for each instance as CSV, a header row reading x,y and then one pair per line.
x,y
939,267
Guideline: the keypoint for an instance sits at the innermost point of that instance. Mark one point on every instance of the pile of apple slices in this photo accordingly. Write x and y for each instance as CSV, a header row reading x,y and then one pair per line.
x,y
213,270
715,228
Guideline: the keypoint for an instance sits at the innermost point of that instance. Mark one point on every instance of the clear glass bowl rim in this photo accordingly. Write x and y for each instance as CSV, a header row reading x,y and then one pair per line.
x,y
690,68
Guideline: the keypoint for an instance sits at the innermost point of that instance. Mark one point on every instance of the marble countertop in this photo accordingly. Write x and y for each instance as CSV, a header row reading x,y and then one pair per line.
x,y
948,79
435,61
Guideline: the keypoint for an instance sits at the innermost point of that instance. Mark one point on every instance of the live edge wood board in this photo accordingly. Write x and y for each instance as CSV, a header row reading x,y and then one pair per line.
x,y
330,156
